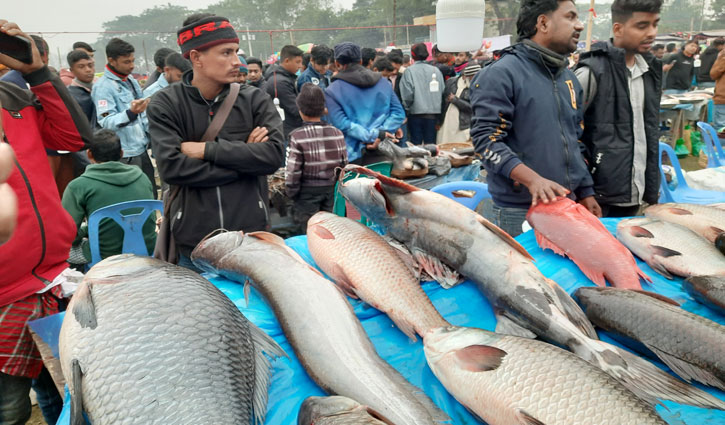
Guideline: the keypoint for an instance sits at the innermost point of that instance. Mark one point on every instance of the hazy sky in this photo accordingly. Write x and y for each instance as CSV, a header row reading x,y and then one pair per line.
x,y
83,15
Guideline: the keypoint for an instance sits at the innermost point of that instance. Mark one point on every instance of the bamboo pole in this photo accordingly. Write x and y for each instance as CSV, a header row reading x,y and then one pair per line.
x,y
590,24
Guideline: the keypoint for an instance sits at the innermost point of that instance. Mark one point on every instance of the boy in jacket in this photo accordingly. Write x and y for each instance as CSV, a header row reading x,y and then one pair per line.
x,y
622,82
222,183
282,85
105,182
46,116
527,117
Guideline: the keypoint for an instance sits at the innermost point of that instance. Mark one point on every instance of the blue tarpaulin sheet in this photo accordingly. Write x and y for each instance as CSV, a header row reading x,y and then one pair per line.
x,y
462,305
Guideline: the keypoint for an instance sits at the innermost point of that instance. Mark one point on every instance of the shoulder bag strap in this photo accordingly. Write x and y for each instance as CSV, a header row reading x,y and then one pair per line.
x,y
221,115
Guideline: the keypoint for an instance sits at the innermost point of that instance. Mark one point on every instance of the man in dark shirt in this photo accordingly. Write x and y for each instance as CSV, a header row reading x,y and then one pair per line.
x,y
680,69
707,60
83,68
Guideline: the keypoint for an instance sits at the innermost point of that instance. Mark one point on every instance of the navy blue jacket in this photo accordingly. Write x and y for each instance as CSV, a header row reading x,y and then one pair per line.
x,y
525,111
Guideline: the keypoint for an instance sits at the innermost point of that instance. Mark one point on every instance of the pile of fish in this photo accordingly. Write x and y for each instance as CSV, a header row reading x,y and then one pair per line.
x,y
319,323
144,341
525,302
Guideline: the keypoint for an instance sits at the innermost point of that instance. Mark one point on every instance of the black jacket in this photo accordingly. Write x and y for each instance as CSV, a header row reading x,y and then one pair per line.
x,y
707,60
83,97
463,103
608,125
282,84
228,188
526,110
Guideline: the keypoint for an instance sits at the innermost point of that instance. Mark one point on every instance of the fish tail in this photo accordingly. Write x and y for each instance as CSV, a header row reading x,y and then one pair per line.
x,y
264,346
643,378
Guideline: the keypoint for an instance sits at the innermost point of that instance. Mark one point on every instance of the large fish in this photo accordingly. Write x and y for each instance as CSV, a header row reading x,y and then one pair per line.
x,y
706,221
337,410
320,324
525,302
670,248
144,341
691,345
366,267
570,230
708,290
511,380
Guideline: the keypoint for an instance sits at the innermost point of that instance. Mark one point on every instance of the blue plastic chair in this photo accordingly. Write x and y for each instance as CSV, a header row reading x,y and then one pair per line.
x,y
132,225
713,147
683,193
480,189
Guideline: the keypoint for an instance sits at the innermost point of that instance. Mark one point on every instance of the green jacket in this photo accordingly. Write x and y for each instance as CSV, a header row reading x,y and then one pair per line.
x,y
102,185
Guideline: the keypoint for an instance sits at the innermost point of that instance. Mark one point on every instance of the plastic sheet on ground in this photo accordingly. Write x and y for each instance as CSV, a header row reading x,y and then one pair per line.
x,y
462,305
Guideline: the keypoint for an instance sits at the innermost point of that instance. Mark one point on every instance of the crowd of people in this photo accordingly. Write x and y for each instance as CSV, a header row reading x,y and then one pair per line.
x,y
542,129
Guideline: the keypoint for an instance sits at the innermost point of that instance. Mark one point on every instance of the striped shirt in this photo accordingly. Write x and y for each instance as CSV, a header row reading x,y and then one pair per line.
x,y
18,354
315,150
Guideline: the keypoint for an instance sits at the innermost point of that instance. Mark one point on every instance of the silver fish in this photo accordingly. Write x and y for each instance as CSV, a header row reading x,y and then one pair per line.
x,y
337,410
691,345
670,248
144,341
511,380
705,220
526,303
319,323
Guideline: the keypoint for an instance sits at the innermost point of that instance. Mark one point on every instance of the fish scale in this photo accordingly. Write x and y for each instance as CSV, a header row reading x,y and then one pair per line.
x,y
544,381
351,253
153,358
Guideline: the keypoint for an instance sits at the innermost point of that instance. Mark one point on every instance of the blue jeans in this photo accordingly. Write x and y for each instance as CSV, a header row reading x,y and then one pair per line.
x,y
707,85
15,406
49,401
675,91
508,219
718,117
421,130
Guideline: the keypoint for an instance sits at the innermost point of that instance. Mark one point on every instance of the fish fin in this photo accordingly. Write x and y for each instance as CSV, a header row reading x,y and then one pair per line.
x,y
404,325
640,232
506,326
715,230
84,310
664,252
646,380
76,394
659,268
688,371
545,243
679,211
526,419
343,282
388,181
264,346
276,240
657,296
405,255
246,293
595,276
320,231
479,358
436,413
377,415
505,236
388,205
573,312
441,273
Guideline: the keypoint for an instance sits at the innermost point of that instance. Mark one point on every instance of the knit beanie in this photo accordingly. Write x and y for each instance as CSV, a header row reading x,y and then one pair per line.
x,y
206,33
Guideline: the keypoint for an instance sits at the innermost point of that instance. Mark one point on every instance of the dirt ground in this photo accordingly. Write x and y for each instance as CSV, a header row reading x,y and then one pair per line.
x,y
37,417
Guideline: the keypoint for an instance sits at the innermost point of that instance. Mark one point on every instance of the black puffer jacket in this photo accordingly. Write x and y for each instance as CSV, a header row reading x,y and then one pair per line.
x,y
608,126
228,188
282,84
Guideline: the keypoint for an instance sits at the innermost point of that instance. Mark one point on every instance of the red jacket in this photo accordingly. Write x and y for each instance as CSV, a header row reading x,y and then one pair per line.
x,y
47,117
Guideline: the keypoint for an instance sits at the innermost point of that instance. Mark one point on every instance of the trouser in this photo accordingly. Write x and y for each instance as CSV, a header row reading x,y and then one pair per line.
x,y
421,130
718,117
675,91
508,219
706,85
144,163
311,200
15,408
617,211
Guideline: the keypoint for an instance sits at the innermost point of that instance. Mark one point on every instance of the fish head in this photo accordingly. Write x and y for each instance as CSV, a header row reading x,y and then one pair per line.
x,y
116,268
368,196
213,247
634,228
315,408
588,296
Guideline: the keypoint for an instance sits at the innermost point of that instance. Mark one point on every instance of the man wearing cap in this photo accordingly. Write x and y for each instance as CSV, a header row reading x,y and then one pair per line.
x,y
456,127
221,183
362,105
175,66
243,70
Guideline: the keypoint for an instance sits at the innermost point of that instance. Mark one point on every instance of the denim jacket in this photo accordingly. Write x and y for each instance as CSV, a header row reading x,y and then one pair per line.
x,y
112,97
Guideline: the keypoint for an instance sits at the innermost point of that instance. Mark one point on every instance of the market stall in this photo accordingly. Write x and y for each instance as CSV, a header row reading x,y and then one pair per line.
x,y
462,305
